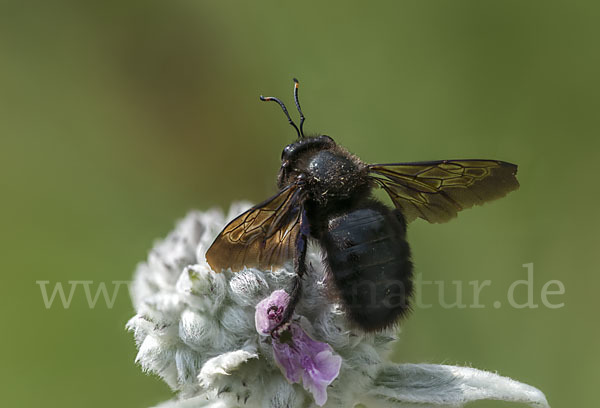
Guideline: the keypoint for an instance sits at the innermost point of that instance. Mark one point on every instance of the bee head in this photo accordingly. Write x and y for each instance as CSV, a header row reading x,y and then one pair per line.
x,y
294,156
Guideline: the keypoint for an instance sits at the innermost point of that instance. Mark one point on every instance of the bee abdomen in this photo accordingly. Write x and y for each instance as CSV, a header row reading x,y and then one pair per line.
x,y
369,260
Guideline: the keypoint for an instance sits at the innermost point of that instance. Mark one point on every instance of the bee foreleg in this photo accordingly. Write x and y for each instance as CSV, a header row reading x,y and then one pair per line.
x,y
295,291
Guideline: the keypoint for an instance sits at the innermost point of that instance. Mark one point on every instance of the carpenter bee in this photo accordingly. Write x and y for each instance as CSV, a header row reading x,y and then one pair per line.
x,y
325,194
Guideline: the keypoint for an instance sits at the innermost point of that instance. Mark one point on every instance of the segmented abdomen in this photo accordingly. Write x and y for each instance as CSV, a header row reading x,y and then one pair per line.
x,y
369,260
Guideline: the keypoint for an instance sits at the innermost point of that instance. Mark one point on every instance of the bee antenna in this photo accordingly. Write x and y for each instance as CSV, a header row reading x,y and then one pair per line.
x,y
272,98
302,118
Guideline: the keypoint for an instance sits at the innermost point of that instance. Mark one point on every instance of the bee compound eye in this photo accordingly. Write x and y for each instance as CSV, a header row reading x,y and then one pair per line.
x,y
286,151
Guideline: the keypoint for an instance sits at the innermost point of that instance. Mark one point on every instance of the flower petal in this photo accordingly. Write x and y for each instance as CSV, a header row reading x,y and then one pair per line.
x,y
288,361
328,365
318,389
324,368
265,318
442,385
311,360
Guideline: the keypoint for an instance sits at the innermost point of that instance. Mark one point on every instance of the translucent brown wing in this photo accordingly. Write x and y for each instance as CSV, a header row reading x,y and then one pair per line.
x,y
262,237
436,191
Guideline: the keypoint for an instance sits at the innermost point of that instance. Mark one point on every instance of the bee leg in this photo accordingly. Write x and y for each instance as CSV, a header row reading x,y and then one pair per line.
x,y
300,268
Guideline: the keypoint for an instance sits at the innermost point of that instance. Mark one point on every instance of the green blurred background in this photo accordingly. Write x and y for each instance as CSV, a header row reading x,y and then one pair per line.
x,y
117,117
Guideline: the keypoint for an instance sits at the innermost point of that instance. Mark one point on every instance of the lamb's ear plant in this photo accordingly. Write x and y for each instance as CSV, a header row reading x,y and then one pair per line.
x,y
207,335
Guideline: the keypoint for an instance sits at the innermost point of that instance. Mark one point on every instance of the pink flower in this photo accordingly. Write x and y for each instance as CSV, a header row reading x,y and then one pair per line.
x,y
298,356
269,311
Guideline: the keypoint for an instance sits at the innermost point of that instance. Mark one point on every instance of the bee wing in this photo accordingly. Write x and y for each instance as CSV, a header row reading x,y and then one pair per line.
x,y
437,190
262,237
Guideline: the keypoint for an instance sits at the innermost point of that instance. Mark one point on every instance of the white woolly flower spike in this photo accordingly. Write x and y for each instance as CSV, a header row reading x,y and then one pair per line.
x,y
196,329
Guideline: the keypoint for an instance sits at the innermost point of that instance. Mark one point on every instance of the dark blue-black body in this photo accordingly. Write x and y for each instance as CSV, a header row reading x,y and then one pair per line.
x,y
325,194
363,241
369,260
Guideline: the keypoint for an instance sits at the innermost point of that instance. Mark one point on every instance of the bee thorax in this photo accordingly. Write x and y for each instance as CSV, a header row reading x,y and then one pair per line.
x,y
333,176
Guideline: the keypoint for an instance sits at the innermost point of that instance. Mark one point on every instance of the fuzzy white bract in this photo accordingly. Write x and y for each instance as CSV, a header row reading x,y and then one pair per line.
x,y
196,330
